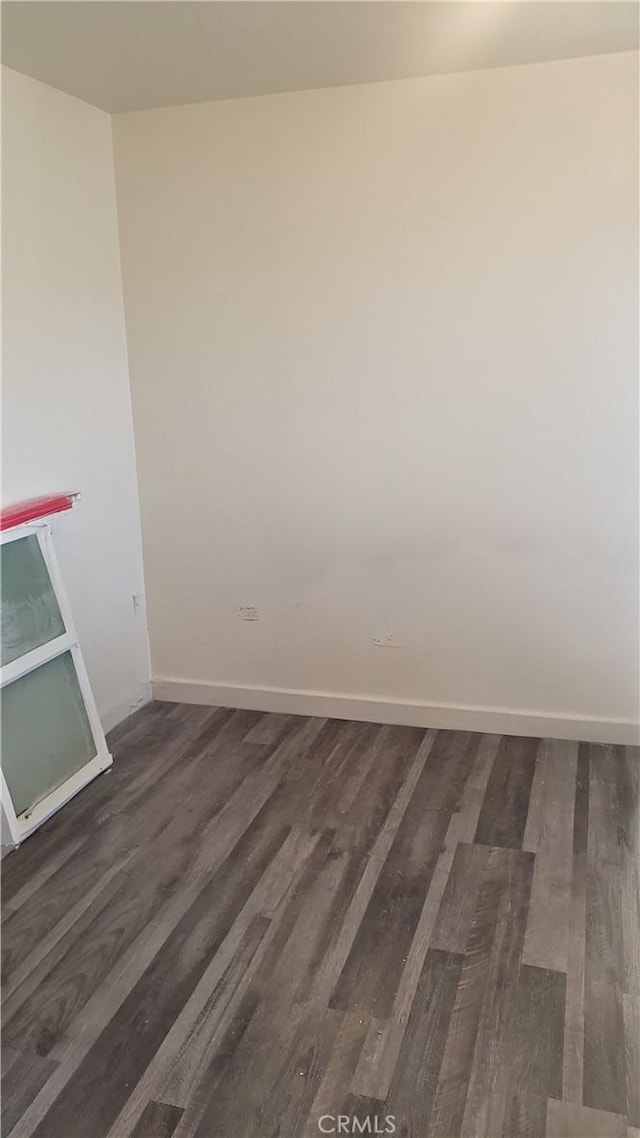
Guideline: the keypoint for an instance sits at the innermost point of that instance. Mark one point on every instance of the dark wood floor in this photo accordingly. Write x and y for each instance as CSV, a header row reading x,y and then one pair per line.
x,y
257,923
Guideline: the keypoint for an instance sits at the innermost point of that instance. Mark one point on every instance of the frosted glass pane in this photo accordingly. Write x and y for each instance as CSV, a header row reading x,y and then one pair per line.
x,y
46,735
30,613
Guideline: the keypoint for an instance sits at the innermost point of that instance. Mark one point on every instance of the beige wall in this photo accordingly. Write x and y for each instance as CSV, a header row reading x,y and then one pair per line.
x,y
67,422
383,343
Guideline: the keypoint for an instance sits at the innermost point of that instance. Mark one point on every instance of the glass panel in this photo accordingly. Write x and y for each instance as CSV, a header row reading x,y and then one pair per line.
x,y
30,613
46,735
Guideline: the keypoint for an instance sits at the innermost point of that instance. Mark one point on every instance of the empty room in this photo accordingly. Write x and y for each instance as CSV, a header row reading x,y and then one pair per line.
x,y
320,718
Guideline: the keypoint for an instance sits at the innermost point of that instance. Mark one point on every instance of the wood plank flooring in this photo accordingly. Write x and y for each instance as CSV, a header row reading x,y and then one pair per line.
x,y
267,926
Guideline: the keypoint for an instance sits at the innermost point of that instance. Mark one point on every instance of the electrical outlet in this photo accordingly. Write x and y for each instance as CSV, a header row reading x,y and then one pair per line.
x,y
249,612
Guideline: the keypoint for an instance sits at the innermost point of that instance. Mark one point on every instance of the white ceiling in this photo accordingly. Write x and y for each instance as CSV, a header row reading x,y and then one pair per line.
x,y
132,54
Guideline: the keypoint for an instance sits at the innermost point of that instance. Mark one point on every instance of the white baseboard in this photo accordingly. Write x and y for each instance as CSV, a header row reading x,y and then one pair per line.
x,y
495,720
